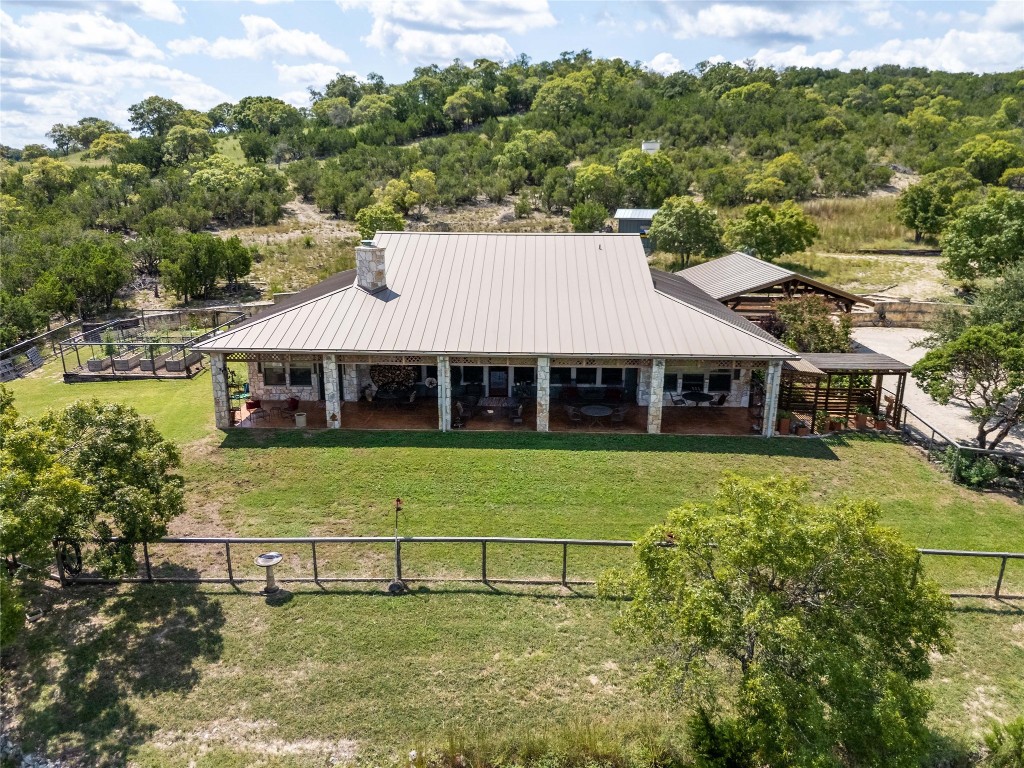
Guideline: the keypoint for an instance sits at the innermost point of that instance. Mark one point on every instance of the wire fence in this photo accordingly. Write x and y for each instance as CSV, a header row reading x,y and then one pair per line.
x,y
396,560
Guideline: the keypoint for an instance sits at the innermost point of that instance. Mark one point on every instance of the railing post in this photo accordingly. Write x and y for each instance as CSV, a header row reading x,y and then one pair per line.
x,y
999,581
565,563
227,553
145,555
483,561
316,574
398,559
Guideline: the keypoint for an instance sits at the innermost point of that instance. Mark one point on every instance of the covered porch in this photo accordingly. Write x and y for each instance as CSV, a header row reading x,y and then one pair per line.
x,y
421,392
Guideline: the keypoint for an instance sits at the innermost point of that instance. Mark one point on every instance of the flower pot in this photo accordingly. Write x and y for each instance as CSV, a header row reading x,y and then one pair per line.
x,y
803,431
861,419
784,425
880,423
835,426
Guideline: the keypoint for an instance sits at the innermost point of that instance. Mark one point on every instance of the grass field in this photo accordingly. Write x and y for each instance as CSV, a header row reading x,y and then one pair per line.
x,y
165,675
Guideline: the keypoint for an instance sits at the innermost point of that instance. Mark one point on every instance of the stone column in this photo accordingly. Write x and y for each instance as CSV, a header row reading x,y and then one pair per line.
x,y
657,392
332,391
221,398
444,393
543,394
772,381
350,384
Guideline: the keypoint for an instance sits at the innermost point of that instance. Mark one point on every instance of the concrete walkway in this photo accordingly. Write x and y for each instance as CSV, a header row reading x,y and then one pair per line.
x,y
951,419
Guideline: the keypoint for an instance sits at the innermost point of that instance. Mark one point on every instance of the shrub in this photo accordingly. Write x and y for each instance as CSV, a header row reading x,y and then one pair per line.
x,y
1005,744
588,217
975,471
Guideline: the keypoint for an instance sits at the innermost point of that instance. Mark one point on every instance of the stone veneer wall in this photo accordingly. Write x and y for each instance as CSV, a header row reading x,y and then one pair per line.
x,y
543,393
643,385
332,391
221,398
656,395
261,391
350,383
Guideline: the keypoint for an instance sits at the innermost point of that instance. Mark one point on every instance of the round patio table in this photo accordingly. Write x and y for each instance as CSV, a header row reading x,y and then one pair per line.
x,y
698,397
595,413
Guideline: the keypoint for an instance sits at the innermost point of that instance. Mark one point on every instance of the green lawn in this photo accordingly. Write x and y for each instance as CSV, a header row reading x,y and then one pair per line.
x,y
168,674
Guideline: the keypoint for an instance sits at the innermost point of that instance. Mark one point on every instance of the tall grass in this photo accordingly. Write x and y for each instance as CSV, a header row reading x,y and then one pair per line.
x,y
849,224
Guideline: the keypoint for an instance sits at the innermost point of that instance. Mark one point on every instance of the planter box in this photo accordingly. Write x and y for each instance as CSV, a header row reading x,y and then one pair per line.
x,y
861,420
179,364
156,363
784,426
98,364
127,362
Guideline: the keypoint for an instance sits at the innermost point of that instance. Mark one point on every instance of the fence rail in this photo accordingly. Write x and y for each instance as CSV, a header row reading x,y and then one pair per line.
x,y
66,577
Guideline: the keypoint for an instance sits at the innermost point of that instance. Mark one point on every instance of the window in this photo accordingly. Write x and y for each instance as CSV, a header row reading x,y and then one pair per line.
x,y
522,375
693,382
611,377
561,375
586,375
472,374
671,382
273,374
720,380
301,375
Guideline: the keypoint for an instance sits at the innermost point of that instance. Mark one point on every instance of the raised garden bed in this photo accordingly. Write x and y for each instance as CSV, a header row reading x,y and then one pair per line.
x,y
127,361
156,363
99,364
178,363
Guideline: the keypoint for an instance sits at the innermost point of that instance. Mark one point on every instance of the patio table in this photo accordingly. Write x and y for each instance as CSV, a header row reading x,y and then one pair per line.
x,y
595,413
698,397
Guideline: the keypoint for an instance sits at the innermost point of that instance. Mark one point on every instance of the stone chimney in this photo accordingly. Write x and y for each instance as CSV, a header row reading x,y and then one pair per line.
x,y
370,267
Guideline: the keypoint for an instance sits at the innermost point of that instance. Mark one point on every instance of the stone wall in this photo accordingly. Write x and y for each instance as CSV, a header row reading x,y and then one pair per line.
x,y
332,391
221,398
543,393
261,391
656,395
905,314
350,384
643,385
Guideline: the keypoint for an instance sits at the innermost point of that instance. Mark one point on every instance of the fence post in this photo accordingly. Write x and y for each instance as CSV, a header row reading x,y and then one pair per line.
x,y
956,465
565,562
61,574
483,561
316,574
145,555
398,559
227,553
999,581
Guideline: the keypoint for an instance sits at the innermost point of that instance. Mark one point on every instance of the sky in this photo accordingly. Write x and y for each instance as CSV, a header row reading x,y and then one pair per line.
x,y
61,60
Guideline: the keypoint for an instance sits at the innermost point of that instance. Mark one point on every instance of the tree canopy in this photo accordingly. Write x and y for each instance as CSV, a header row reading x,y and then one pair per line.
x,y
985,239
768,232
687,228
796,632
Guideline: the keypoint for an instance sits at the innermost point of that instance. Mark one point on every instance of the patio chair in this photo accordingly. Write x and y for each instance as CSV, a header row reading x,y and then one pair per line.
x,y
720,401
676,398
410,401
460,415
574,414
255,409
288,409
618,415
516,416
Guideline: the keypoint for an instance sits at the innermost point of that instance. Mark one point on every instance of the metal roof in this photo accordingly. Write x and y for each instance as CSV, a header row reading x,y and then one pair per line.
x,y
507,294
643,214
736,274
836,362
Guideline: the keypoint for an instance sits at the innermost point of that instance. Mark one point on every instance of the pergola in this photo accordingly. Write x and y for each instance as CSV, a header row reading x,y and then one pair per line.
x,y
838,383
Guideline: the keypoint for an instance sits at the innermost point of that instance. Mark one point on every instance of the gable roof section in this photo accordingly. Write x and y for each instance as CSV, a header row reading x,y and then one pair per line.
x,y
643,214
736,274
508,294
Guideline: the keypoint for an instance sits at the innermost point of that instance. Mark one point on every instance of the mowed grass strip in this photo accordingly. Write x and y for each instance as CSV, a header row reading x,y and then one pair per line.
x,y
166,674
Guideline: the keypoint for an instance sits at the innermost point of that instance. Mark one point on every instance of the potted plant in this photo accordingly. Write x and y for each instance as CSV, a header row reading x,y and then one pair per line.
x,y
861,416
802,430
880,421
837,423
785,420
821,422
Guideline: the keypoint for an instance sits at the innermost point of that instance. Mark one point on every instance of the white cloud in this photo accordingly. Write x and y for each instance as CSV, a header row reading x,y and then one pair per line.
x,y
956,51
664,63
1004,16
441,30
313,73
734,20
161,10
61,67
878,13
263,37
48,34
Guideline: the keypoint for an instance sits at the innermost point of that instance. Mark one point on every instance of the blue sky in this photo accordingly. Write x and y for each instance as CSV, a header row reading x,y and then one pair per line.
x,y
64,59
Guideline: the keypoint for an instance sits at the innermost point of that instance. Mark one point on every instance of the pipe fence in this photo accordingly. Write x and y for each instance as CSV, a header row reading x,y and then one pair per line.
x,y
223,553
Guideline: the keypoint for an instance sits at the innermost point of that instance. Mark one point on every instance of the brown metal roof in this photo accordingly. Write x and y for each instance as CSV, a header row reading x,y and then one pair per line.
x,y
866,362
800,365
736,274
508,294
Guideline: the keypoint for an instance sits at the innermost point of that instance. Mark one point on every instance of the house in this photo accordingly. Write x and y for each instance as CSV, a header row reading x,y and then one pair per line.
x,y
751,286
634,221
554,318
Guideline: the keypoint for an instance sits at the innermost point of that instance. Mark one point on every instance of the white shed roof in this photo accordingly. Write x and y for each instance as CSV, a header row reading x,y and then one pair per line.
x,y
642,214
506,294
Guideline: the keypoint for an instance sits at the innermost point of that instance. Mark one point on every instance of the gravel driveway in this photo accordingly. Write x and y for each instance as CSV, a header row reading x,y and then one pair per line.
x,y
896,343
